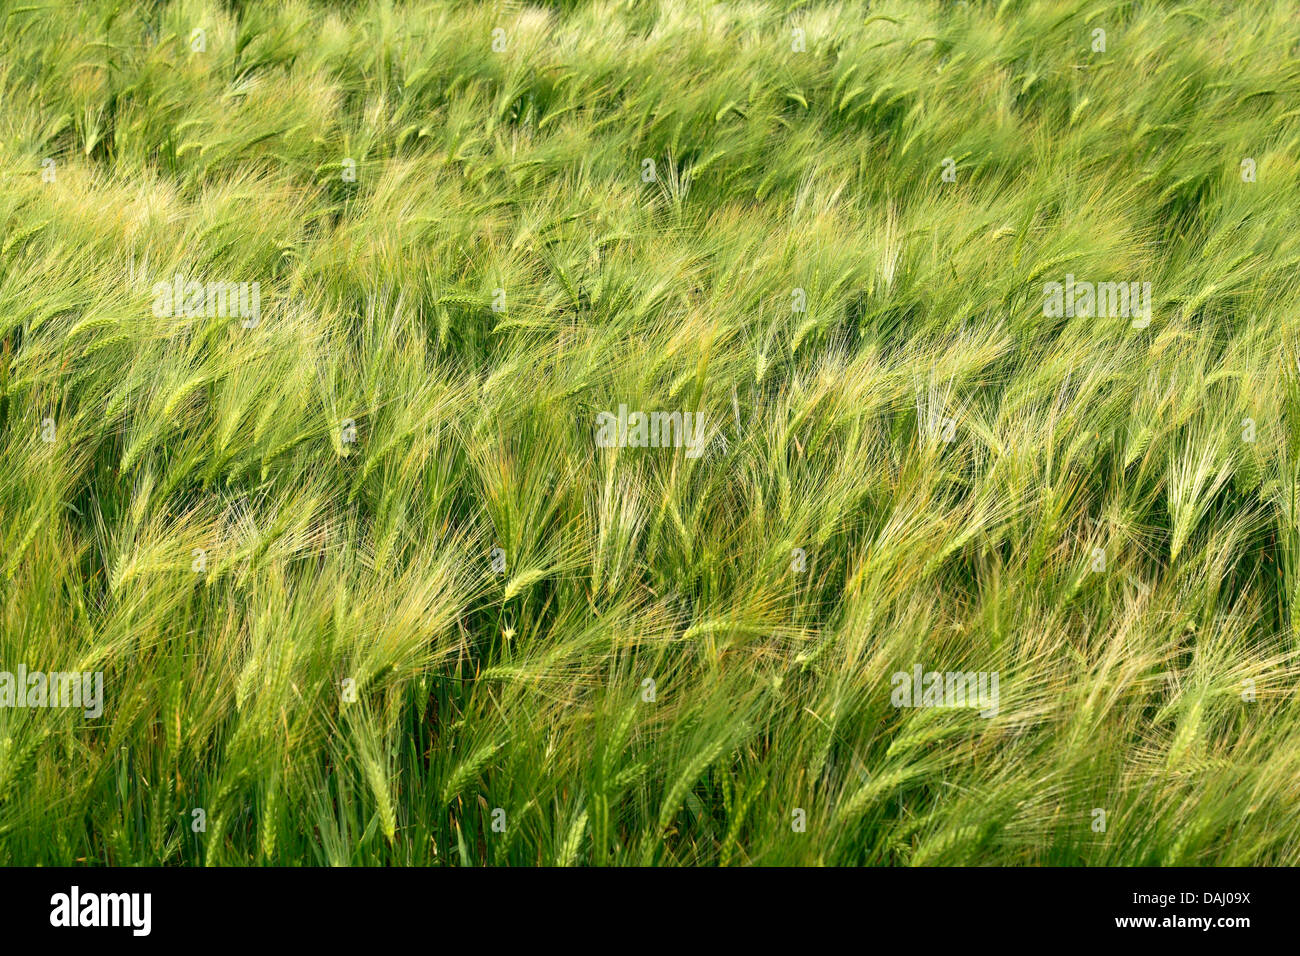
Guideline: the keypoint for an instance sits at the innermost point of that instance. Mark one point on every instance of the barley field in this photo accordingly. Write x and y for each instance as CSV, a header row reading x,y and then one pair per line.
x,y
649,433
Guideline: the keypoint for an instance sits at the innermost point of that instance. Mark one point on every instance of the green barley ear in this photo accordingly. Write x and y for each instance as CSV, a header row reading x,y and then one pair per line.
x,y
466,770
572,845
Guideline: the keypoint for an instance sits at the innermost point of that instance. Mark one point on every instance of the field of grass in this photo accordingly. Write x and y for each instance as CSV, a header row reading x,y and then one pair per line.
x,y
363,585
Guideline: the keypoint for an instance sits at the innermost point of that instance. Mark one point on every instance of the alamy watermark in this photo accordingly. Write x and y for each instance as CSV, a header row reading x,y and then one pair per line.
x,y
1129,300
651,430
76,909
38,689
923,688
226,300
